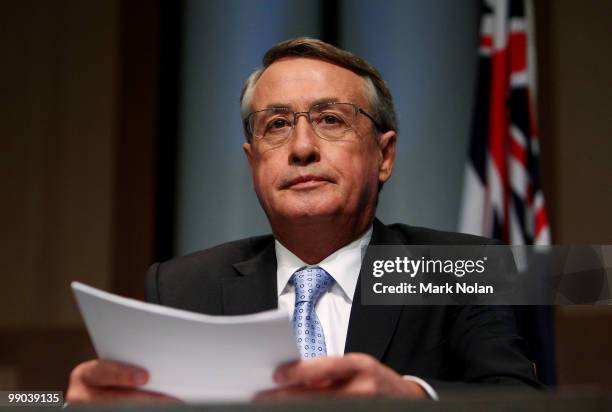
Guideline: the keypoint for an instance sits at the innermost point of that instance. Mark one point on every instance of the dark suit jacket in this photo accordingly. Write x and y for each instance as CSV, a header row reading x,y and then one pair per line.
x,y
442,344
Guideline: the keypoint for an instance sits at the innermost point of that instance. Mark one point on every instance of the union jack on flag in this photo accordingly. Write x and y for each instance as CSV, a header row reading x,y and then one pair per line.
x,y
502,196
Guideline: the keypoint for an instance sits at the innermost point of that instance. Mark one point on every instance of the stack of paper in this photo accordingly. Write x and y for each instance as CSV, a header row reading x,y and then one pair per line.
x,y
190,356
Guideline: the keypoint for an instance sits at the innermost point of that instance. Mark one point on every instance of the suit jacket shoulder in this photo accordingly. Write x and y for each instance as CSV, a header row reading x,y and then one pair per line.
x,y
195,281
416,235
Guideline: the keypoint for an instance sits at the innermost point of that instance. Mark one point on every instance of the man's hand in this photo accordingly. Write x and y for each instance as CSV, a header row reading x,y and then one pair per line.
x,y
353,375
105,381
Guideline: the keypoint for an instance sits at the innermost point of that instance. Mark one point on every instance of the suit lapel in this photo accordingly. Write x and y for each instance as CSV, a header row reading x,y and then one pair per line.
x,y
371,327
254,288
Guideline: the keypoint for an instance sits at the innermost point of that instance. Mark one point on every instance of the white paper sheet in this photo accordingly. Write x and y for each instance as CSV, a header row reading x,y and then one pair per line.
x,y
191,356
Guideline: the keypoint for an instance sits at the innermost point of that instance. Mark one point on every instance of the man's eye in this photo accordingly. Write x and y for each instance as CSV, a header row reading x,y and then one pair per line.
x,y
330,120
278,124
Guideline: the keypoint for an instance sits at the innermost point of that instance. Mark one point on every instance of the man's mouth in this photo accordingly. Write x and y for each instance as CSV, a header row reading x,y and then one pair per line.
x,y
305,182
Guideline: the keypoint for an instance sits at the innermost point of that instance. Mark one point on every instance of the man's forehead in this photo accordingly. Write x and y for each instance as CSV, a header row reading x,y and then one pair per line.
x,y
294,82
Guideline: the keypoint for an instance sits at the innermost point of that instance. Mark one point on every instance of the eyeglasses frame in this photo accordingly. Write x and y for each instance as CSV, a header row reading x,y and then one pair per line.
x,y
296,115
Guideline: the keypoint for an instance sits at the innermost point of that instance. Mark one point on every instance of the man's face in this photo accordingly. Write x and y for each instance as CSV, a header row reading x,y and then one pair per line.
x,y
308,179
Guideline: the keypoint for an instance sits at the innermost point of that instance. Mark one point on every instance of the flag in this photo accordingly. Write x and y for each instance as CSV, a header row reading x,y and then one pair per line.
x,y
502,195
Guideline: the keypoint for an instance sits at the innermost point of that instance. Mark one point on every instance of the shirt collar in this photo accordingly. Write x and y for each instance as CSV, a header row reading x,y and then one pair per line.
x,y
343,265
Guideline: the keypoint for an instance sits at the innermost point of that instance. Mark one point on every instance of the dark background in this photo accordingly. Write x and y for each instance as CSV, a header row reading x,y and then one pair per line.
x,y
111,160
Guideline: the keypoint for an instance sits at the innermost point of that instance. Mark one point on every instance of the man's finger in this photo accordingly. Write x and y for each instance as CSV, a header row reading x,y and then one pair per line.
x,y
351,388
314,371
107,373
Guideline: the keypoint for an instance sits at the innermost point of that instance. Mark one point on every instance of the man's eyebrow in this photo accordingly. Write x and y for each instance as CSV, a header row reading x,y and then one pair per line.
x,y
278,106
283,105
326,100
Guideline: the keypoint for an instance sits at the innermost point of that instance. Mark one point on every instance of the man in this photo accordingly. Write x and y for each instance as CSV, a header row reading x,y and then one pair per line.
x,y
321,133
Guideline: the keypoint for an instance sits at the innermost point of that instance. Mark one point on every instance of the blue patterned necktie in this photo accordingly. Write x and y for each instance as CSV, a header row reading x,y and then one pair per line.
x,y
310,283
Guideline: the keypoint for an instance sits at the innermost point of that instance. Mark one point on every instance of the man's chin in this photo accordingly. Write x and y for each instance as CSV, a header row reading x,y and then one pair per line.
x,y
307,216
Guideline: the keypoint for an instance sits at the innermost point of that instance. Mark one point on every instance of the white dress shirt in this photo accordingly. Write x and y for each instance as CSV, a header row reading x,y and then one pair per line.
x,y
334,307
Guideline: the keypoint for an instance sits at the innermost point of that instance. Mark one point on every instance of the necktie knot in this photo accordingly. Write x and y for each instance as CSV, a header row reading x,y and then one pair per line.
x,y
310,283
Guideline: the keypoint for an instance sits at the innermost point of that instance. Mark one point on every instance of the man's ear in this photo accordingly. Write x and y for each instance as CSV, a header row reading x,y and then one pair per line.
x,y
248,151
386,145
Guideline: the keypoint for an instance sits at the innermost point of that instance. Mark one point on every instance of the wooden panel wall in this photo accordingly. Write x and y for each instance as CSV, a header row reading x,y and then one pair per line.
x,y
59,139
78,132
575,79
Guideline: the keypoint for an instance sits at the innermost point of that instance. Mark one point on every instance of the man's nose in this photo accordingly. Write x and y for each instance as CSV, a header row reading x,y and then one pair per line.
x,y
304,144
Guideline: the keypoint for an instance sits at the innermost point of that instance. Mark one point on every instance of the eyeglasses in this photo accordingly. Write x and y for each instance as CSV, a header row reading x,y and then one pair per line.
x,y
330,121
